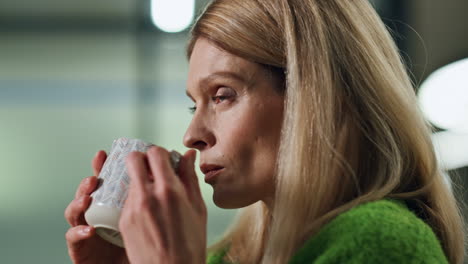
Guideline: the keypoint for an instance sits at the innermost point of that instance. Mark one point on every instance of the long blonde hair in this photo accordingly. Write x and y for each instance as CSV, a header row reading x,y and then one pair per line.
x,y
352,131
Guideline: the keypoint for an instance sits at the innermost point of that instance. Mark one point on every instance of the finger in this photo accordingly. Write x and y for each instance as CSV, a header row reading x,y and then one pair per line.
x,y
137,168
159,162
133,218
74,213
188,175
98,162
86,186
78,234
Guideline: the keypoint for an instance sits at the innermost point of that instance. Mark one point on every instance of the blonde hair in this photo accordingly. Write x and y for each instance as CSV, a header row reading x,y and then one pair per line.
x,y
352,132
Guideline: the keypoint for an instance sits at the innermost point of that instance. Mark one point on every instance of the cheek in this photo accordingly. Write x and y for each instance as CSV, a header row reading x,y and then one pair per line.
x,y
250,138
238,140
251,122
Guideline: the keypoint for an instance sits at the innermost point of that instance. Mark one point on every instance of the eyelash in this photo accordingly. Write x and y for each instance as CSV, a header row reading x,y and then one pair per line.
x,y
192,109
214,98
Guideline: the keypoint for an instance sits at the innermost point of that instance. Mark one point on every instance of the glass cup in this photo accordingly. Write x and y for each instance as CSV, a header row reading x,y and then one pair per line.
x,y
109,197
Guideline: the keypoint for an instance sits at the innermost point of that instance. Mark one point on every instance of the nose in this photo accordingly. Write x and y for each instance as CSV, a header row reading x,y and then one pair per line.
x,y
198,135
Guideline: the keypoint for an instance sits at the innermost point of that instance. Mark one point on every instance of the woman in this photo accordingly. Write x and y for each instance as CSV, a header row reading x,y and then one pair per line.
x,y
304,117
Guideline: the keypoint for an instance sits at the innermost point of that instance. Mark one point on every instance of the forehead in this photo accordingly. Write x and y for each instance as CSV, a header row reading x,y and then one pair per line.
x,y
207,59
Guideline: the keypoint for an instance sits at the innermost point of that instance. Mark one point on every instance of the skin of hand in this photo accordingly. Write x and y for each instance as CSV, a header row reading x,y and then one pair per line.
x,y
84,245
164,217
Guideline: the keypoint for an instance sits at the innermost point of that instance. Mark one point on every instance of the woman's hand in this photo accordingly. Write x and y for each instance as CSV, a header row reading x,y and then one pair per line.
x,y
84,245
164,217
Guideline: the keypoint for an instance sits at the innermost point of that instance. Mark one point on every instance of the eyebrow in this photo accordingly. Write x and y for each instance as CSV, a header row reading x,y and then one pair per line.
x,y
222,74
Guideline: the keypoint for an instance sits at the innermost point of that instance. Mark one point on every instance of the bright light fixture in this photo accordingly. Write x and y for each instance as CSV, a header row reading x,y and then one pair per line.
x,y
443,97
172,15
450,148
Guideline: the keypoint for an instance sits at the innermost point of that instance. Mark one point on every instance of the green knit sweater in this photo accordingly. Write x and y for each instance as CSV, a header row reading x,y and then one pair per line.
x,y
384,231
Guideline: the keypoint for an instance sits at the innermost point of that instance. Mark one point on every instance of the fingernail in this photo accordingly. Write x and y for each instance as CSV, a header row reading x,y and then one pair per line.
x,y
86,230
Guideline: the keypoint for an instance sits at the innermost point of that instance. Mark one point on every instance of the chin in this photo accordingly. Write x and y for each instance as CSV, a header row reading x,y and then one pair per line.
x,y
230,201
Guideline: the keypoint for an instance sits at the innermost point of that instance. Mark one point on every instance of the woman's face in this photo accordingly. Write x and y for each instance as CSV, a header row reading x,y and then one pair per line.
x,y
236,125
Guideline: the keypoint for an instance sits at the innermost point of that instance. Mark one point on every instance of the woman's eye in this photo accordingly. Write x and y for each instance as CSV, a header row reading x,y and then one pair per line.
x,y
219,99
222,94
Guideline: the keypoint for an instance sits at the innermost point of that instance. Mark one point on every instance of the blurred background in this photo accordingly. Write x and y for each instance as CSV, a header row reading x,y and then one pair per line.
x,y
75,75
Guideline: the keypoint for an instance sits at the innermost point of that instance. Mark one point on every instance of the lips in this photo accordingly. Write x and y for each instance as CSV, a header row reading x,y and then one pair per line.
x,y
210,168
211,171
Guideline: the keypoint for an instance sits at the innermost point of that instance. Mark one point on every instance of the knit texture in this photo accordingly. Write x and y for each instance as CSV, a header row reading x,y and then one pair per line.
x,y
384,231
